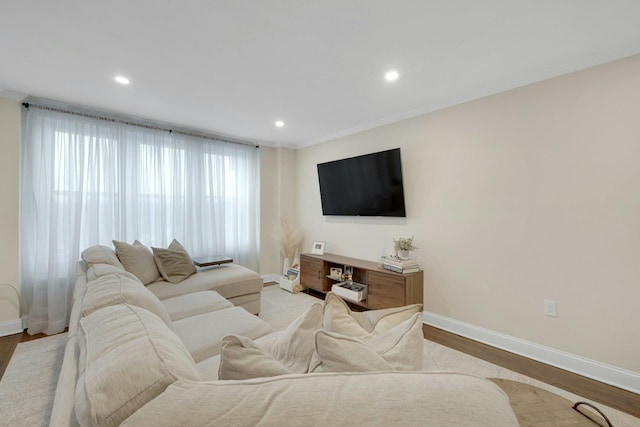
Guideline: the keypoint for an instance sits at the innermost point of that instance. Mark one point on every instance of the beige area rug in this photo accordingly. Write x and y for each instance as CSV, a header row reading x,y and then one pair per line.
x,y
28,385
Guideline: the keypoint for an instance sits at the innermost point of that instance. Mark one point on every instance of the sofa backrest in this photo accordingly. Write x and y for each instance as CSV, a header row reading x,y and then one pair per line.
x,y
127,356
118,288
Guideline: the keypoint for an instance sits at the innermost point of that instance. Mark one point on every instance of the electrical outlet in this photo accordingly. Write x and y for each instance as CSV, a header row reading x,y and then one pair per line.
x,y
550,308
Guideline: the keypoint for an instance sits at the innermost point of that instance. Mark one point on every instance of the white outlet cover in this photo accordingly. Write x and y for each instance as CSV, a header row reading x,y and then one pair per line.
x,y
550,308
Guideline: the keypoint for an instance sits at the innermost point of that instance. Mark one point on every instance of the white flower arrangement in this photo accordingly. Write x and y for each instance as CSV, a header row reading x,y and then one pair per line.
x,y
404,244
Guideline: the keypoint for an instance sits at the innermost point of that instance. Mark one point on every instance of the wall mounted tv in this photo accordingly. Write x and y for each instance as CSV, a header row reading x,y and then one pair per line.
x,y
368,185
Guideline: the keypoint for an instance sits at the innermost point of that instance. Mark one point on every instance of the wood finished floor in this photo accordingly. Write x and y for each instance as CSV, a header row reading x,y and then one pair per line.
x,y
591,389
608,395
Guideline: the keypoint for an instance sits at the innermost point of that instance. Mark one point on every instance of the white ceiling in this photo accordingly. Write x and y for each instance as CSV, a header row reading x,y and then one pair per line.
x,y
236,66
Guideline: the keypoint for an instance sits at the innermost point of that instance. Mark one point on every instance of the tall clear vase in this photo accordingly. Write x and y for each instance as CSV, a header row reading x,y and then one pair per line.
x,y
285,266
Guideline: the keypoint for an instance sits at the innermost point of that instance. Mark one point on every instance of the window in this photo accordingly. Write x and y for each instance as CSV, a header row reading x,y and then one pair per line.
x,y
88,181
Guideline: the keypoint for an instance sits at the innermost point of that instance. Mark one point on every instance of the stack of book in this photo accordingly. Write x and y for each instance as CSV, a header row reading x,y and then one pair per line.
x,y
398,265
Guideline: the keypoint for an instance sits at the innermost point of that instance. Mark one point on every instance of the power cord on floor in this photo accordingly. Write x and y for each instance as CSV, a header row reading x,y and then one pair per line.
x,y
595,409
17,296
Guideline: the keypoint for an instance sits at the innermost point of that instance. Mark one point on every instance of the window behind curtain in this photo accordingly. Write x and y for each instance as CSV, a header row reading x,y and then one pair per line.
x,y
88,181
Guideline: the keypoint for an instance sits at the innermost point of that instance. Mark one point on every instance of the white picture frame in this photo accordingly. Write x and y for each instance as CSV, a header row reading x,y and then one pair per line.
x,y
317,248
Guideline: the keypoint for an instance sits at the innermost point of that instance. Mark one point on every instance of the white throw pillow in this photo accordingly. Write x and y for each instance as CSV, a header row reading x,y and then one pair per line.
x,y
399,348
137,259
290,353
366,325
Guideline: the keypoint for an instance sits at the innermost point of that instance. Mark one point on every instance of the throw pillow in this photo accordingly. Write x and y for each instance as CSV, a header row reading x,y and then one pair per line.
x,y
174,263
400,348
137,259
290,353
339,318
99,254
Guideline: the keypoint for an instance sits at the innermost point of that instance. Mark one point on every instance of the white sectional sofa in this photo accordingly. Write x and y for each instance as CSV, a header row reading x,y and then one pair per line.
x,y
133,358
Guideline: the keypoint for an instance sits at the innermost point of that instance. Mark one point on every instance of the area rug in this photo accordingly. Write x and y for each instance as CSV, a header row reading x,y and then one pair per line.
x,y
29,383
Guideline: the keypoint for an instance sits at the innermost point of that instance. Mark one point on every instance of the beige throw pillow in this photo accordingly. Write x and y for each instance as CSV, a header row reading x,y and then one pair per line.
x,y
127,357
99,254
366,325
174,263
137,259
399,348
242,359
290,353
115,289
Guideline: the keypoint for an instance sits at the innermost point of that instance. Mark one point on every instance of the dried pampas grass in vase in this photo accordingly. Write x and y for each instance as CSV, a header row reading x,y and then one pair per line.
x,y
289,238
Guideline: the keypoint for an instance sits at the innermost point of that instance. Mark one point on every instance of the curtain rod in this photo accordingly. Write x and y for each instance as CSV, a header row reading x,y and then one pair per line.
x,y
105,118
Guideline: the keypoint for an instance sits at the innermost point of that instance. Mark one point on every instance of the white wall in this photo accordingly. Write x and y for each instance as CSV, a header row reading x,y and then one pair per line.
x,y
277,200
9,212
523,196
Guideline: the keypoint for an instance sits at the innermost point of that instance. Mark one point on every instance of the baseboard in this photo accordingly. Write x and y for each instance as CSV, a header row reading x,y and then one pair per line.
x,y
270,278
10,327
602,372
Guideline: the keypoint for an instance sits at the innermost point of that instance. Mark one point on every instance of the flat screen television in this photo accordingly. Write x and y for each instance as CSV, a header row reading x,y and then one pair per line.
x,y
368,185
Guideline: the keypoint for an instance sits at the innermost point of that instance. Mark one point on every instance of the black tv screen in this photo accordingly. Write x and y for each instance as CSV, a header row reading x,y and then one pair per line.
x,y
368,185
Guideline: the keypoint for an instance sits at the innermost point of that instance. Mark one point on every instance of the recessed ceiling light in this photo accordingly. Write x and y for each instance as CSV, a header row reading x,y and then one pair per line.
x,y
391,75
279,123
122,80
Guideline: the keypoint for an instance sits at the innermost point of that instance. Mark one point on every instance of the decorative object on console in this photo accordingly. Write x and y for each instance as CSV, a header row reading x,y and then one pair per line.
x,y
399,265
317,248
403,245
348,273
350,291
335,273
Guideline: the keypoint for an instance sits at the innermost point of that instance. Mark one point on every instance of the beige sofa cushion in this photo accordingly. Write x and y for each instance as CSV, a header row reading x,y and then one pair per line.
x,y
345,399
99,254
189,305
127,357
229,280
174,263
399,348
99,270
203,333
366,325
290,353
115,289
137,259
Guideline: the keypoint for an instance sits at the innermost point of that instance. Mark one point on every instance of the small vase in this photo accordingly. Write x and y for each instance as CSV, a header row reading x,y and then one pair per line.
x,y
285,266
403,254
296,259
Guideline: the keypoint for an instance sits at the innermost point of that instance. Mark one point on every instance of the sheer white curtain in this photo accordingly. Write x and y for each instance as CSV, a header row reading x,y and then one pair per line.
x,y
87,181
